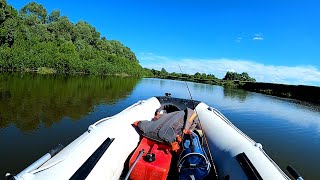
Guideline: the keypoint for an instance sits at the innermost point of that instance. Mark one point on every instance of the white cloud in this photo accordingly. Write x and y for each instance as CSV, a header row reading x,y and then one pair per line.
x,y
308,75
258,37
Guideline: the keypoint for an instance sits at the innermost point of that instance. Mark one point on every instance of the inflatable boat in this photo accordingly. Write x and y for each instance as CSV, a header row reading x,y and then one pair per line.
x,y
102,152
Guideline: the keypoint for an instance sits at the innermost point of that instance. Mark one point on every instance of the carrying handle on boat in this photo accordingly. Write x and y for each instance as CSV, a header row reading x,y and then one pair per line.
x,y
134,164
294,173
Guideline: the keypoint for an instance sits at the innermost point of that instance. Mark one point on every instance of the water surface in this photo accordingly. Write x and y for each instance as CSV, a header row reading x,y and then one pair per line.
x,y
37,112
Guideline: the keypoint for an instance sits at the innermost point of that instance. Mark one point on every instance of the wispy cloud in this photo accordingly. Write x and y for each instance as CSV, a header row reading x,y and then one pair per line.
x,y
258,37
238,39
248,37
308,75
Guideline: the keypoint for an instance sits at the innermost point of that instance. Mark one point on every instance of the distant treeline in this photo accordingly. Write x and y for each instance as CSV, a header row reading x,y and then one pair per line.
x,y
35,40
244,81
231,79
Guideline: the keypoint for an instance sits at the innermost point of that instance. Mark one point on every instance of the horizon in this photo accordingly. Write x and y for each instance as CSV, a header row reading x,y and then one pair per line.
x,y
272,41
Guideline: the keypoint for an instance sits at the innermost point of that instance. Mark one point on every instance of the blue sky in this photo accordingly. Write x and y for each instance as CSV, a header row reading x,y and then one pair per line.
x,y
272,40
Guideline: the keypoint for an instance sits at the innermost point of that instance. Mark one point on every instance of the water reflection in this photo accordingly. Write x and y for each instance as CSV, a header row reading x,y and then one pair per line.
x,y
237,94
27,100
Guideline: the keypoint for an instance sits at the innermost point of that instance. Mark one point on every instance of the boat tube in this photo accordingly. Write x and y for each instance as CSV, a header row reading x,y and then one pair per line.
x,y
101,151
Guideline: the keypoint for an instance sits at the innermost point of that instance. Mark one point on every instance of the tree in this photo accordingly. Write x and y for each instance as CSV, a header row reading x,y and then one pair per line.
x,y
8,23
240,77
211,76
32,39
61,29
174,74
53,17
197,75
163,72
86,32
6,11
120,49
8,31
34,13
203,76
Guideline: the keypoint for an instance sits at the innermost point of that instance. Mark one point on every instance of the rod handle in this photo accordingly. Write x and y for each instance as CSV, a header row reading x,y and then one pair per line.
x,y
294,173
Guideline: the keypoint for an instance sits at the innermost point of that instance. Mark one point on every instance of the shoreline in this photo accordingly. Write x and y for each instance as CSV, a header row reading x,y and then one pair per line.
x,y
305,93
299,92
310,94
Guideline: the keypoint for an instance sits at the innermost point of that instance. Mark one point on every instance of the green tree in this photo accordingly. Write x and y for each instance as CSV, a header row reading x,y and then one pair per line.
x,y
240,77
163,72
86,32
8,23
197,75
174,74
34,13
203,76
32,39
53,16
211,76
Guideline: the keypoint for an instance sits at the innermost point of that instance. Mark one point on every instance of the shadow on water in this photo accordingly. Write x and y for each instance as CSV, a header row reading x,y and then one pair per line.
x,y
28,100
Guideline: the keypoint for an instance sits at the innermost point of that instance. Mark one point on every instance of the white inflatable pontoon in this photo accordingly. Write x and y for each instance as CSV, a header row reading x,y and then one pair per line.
x,y
101,151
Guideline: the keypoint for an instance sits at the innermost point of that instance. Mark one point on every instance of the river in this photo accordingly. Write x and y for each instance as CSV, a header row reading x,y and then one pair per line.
x,y
38,112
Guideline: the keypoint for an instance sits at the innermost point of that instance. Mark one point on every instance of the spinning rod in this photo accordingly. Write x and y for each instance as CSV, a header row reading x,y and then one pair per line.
x,y
188,89
204,135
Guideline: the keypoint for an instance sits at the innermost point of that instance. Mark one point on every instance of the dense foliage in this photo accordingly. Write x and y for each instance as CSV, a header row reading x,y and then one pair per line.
x,y
32,39
236,76
231,79
230,76
197,76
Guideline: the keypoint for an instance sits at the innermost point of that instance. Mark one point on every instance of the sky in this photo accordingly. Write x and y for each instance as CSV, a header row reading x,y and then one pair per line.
x,y
272,40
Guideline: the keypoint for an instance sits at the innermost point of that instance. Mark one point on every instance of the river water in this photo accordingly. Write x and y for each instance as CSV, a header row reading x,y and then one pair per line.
x,y
38,112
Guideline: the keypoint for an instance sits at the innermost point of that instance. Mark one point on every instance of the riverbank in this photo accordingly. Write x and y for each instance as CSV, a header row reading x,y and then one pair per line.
x,y
51,71
216,81
298,92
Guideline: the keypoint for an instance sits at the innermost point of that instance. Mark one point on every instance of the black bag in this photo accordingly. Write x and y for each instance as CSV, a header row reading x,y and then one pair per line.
x,y
168,127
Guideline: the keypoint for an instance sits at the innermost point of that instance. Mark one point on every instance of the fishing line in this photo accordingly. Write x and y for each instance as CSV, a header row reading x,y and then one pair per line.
x,y
204,135
187,88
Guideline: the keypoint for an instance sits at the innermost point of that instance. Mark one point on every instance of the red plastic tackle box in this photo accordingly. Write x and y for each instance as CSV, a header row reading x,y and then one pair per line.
x,y
154,163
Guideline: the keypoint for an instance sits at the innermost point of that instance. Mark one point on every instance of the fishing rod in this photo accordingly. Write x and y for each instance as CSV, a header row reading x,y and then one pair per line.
x,y
204,135
188,90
